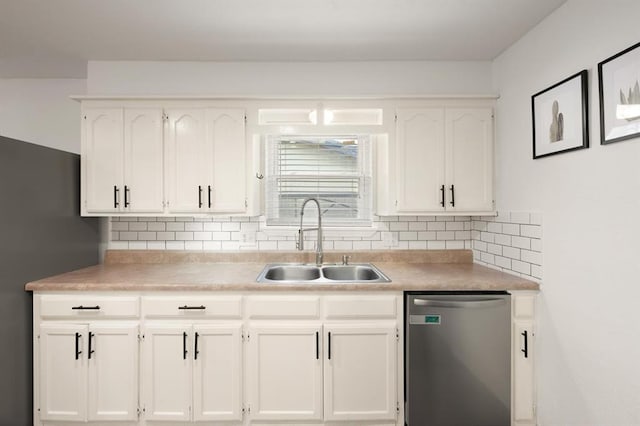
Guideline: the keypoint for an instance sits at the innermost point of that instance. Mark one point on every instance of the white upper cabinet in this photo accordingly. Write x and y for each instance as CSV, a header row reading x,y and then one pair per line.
x,y
469,159
420,166
444,160
103,154
206,161
186,160
122,160
143,158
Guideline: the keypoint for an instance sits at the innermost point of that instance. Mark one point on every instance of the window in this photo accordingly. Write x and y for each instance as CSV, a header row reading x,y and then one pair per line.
x,y
335,170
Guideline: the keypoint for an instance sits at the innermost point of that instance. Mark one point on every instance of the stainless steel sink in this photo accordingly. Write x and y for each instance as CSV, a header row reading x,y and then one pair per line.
x,y
304,273
292,273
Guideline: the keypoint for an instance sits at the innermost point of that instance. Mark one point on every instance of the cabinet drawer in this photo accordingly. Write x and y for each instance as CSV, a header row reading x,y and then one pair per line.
x,y
283,307
337,307
523,306
192,307
56,306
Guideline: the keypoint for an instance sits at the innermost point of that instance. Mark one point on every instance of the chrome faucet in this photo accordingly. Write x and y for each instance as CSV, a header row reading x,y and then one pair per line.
x,y
300,244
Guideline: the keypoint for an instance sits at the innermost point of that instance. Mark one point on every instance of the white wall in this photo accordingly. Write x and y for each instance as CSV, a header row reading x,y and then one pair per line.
x,y
40,111
288,79
589,327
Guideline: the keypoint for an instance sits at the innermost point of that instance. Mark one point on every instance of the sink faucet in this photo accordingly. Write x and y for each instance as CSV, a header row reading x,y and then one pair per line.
x,y
300,244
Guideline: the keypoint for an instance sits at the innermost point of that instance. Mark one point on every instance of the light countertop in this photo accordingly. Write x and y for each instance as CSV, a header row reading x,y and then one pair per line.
x,y
409,270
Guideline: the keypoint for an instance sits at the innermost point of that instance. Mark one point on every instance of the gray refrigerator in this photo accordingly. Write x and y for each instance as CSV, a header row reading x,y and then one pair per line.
x,y
41,234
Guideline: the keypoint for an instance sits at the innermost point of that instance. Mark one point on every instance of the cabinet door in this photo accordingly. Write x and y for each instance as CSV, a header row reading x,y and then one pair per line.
x,y
360,372
469,134
103,154
143,160
217,372
112,356
63,372
226,137
420,168
186,143
523,386
285,377
166,377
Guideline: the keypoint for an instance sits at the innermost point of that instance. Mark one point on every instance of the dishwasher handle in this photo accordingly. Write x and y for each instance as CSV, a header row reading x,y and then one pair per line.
x,y
478,303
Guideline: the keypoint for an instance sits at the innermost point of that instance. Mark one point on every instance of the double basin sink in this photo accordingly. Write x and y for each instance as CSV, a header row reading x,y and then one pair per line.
x,y
305,273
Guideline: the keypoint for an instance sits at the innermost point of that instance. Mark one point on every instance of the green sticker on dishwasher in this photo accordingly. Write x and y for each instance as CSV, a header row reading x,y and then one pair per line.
x,y
432,319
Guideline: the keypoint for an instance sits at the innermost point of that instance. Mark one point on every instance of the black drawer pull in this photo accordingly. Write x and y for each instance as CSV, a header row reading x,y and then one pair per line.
x,y
86,308
453,196
184,345
126,196
442,195
91,335
199,196
317,345
192,308
195,347
78,351
329,344
526,344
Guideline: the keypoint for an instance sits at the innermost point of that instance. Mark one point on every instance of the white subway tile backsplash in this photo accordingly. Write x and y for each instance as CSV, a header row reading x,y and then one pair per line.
x,y
156,226
521,242
175,226
510,229
436,226
533,231
417,226
503,240
520,217
193,245
454,245
531,257
120,226
138,226
454,226
231,226
510,241
193,226
511,252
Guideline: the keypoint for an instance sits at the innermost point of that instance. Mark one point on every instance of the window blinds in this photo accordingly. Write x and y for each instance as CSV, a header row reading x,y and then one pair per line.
x,y
335,170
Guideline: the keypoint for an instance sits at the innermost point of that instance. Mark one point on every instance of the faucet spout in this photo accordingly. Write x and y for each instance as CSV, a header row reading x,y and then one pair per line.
x,y
300,245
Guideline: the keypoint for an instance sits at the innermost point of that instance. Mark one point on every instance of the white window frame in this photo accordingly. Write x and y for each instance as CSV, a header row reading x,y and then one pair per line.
x,y
365,221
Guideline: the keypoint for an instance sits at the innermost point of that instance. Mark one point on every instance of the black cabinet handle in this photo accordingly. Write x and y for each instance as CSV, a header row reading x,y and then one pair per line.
x,y
453,196
91,335
195,348
184,345
116,197
86,308
209,196
78,351
199,197
317,345
526,345
126,196
442,195
329,344
191,308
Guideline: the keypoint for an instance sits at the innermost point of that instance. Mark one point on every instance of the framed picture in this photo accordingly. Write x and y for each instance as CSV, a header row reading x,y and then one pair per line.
x,y
561,117
618,78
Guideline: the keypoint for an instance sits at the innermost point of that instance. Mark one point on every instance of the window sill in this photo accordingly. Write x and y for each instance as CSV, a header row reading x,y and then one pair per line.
x,y
329,232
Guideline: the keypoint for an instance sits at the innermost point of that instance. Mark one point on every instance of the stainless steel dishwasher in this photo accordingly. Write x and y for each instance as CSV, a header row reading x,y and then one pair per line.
x,y
457,359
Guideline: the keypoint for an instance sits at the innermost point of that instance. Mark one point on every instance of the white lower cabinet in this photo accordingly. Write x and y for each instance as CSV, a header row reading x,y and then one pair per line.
x,y
192,372
285,372
326,358
523,408
88,372
360,373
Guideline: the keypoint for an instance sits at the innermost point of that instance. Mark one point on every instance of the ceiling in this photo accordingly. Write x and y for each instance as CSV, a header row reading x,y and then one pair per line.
x,y
56,38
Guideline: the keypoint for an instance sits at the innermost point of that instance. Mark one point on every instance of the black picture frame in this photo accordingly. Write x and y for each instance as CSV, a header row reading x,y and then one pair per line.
x,y
619,89
560,115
